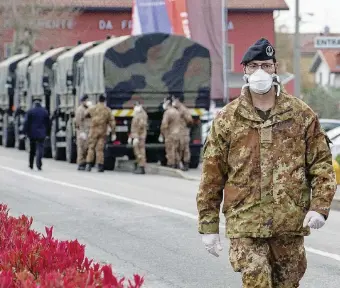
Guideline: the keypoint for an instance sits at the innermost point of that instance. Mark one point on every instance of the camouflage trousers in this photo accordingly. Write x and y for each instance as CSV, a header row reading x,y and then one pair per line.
x,y
269,263
139,151
185,149
96,143
172,149
81,150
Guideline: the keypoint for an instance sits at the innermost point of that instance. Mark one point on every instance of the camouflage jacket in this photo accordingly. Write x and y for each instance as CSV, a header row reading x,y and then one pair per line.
x,y
186,120
171,123
82,122
101,117
139,125
272,173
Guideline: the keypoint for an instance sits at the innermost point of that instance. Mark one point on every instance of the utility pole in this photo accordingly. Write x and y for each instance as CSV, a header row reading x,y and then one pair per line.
x,y
225,55
297,51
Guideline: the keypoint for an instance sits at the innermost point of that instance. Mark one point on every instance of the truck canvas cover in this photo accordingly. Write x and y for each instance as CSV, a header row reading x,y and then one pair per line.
x,y
41,65
65,65
148,67
6,68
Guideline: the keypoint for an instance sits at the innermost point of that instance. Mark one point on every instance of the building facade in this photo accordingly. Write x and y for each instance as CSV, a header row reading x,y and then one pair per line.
x,y
248,20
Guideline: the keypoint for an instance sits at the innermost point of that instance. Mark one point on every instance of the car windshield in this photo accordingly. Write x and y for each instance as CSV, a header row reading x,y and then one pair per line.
x,y
333,133
327,126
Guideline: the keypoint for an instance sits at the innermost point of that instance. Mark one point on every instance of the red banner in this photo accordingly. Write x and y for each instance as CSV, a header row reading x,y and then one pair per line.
x,y
178,15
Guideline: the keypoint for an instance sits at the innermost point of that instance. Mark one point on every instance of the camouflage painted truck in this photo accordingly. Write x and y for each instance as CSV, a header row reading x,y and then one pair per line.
x,y
21,97
7,88
147,68
41,77
65,101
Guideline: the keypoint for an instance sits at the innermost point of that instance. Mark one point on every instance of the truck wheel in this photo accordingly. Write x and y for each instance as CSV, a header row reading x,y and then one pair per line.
x,y
194,162
19,143
58,153
109,163
71,147
8,137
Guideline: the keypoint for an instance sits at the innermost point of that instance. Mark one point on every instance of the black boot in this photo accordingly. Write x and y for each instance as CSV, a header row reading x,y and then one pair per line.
x,y
185,167
82,166
139,170
88,167
100,168
135,166
172,166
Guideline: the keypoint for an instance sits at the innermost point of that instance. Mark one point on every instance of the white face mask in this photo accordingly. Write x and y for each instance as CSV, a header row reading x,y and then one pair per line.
x,y
260,81
137,109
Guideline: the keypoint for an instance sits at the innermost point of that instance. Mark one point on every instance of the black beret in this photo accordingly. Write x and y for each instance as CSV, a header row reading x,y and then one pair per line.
x,y
84,98
102,98
37,99
261,50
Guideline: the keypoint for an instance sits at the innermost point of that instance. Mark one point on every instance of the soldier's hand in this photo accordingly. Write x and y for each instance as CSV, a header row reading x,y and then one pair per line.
x,y
160,139
129,140
83,135
212,243
135,141
314,220
113,137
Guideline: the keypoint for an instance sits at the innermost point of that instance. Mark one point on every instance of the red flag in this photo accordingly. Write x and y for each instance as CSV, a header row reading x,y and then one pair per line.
x,y
178,15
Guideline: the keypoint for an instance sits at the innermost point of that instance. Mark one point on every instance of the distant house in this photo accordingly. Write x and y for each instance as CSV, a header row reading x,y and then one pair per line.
x,y
326,68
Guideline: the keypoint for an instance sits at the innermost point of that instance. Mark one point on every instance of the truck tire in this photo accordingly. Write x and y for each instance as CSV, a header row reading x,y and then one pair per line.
x,y
58,153
71,146
8,133
194,162
109,163
19,143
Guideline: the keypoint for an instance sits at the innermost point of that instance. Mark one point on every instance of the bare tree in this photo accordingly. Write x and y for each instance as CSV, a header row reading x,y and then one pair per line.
x,y
27,19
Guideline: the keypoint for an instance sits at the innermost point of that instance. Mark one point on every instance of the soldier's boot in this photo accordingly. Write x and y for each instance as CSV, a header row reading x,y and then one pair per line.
x,y
172,166
100,168
88,167
82,166
139,170
185,167
135,166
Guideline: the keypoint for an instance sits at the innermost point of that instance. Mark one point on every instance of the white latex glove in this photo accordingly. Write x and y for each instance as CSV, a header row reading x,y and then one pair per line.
x,y
83,135
314,220
113,137
211,243
160,139
129,141
135,141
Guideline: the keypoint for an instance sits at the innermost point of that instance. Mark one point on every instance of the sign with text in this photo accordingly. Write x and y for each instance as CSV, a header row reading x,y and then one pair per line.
x,y
324,42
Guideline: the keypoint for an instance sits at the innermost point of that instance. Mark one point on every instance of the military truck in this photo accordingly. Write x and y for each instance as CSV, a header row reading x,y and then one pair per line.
x,y
41,77
21,99
7,88
65,102
147,68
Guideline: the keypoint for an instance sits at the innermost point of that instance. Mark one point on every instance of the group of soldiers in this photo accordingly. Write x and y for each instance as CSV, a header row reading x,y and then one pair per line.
x,y
92,123
175,132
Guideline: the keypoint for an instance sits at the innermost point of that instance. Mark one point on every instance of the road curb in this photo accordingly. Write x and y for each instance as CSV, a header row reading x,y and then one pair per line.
x,y
154,169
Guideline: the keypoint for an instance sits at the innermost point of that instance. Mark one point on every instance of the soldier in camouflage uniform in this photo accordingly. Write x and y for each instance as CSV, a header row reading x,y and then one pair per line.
x,y
138,136
186,122
170,130
101,117
267,152
83,127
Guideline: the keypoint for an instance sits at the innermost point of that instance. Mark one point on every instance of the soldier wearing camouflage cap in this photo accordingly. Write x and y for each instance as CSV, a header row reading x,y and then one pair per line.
x,y
268,156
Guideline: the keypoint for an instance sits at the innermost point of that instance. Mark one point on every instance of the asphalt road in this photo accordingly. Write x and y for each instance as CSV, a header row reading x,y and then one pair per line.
x,y
140,224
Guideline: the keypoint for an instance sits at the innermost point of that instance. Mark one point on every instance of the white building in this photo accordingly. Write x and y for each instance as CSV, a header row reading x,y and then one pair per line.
x,y
326,68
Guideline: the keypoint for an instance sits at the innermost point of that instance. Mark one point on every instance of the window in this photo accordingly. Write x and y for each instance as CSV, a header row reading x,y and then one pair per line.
x,y
230,56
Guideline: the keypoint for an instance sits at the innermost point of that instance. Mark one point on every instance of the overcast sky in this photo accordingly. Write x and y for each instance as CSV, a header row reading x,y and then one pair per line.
x,y
326,12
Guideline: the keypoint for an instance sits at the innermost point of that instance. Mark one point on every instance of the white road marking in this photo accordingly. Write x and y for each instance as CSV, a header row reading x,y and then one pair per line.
x,y
142,203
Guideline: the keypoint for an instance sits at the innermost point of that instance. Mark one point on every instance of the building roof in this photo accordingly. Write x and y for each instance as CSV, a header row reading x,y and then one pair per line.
x,y
330,57
127,4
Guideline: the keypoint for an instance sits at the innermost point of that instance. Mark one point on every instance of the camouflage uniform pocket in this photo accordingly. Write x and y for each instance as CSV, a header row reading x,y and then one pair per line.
x,y
234,196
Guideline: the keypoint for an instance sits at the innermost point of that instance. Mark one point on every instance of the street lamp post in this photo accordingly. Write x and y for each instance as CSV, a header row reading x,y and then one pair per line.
x,y
297,51
225,50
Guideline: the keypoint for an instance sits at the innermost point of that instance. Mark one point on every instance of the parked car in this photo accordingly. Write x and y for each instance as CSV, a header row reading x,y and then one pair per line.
x,y
329,124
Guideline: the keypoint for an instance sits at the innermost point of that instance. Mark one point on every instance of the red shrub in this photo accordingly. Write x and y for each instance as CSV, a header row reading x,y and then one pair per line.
x,y
31,260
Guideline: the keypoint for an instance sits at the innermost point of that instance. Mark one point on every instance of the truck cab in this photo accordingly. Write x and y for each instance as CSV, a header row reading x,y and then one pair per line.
x,y
7,89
